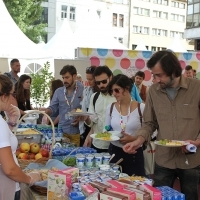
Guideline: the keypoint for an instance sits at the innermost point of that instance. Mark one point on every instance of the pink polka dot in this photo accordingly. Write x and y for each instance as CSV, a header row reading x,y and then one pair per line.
x,y
148,75
198,55
125,63
182,64
95,61
117,53
139,63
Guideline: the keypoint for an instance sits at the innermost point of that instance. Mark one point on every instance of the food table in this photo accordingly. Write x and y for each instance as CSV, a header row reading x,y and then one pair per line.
x,y
28,194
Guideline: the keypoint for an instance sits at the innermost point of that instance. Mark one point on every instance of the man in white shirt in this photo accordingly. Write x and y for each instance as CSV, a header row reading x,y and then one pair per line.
x,y
103,76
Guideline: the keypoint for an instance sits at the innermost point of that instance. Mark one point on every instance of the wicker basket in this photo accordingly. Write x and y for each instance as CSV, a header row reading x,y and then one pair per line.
x,y
24,163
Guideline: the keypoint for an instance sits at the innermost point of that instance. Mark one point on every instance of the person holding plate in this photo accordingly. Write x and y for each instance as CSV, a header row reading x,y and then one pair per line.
x,y
124,116
173,108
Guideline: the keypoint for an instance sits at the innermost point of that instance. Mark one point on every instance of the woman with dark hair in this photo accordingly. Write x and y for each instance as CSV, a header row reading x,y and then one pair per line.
x,y
125,116
55,84
87,93
10,172
23,93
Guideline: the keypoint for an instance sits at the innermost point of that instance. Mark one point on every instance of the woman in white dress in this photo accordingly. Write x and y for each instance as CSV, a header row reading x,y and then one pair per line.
x,y
10,172
125,117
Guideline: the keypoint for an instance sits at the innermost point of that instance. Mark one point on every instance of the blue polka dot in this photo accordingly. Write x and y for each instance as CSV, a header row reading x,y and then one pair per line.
x,y
102,52
187,56
146,54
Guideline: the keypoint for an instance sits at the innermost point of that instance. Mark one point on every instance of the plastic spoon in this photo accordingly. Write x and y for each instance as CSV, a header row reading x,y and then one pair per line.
x,y
119,161
113,155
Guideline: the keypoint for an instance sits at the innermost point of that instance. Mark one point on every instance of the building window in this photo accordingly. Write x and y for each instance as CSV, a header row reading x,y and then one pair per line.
x,y
173,33
162,2
154,31
121,20
164,15
135,10
163,48
195,20
135,29
114,19
147,47
189,21
63,12
164,33
196,7
181,18
99,13
181,35
144,12
182,5
153,48
72,15
120,40
145,30
45,15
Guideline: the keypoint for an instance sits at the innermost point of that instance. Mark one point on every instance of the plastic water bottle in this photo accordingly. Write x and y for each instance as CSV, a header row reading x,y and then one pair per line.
x,y
108,128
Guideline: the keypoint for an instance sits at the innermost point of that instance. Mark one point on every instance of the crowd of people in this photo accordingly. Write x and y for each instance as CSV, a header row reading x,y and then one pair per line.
x,y
170,106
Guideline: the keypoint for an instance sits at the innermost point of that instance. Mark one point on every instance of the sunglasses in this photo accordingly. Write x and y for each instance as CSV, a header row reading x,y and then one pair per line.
x,y
116,90
90,69
103,81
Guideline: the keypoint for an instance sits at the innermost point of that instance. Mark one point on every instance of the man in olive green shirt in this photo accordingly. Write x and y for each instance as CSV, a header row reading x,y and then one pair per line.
x,y
173,108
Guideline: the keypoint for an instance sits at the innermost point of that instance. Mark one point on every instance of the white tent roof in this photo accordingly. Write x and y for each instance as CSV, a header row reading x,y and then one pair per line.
x,y
141,46
61,44
13,42
92,33
177,45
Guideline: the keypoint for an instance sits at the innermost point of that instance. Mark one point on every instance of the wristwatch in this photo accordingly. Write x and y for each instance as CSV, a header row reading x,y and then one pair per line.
x,y
12,124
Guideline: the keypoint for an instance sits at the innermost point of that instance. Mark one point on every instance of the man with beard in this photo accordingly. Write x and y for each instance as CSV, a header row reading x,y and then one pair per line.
x,y
67,99
103,76
15,69
173,108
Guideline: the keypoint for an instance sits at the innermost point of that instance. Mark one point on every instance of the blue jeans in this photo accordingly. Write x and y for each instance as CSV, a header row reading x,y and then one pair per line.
x,y
188,178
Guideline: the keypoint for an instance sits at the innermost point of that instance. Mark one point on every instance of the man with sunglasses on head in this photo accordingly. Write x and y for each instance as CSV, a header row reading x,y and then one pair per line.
x,y
173,108
102,76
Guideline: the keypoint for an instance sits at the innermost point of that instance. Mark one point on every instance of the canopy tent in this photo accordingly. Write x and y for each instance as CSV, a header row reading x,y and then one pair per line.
x,y
141,46
177,45
61,44
93,33
13,42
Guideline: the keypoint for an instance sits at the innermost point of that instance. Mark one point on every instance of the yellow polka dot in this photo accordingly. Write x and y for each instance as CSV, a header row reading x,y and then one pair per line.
x,y
86,51
194,65
110,62
132,54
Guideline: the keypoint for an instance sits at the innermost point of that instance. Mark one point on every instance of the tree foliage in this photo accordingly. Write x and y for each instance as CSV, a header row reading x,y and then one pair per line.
x,y
27,14
40,86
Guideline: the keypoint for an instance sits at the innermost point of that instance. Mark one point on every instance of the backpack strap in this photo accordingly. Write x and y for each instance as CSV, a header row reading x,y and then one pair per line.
x,y
111,108
95,98
140,113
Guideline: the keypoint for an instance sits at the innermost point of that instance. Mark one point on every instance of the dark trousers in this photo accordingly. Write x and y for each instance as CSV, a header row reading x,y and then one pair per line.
x,y
188,178
84,135
132,163
99,150
17,195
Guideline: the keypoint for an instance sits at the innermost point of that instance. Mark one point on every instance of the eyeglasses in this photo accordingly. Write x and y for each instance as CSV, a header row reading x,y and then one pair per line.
x,y
103,81
116,90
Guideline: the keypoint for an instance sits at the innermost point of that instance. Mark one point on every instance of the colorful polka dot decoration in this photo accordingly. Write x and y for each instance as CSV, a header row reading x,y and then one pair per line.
x,y
129,62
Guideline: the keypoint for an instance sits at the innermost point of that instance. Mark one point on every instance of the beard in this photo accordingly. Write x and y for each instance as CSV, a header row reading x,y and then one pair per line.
x,y
68,85
168,84
103,90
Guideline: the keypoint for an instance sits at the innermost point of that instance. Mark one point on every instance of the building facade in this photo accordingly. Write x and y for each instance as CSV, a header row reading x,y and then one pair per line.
x,y
155,22
192,31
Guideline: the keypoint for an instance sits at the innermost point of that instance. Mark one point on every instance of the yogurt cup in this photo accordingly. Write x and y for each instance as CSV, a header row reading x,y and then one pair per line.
x,y
106,158
89,160
80,161
98,160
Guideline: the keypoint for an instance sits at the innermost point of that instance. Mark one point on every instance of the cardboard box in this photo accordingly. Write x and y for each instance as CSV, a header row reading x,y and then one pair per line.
x,y
115,184
112,196
74,172
129,194
154,193
57,181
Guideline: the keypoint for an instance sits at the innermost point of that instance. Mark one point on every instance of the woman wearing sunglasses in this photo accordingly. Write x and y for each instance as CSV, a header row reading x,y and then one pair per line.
x,y
125,118
10,173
